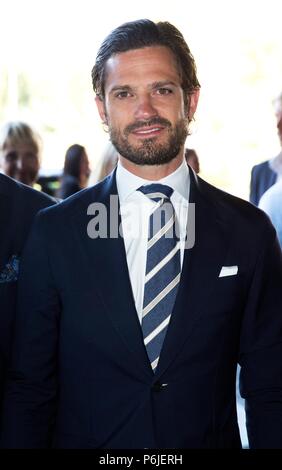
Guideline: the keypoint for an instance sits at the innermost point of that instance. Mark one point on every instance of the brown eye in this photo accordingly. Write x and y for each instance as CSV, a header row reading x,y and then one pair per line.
x,y
122,94
164,91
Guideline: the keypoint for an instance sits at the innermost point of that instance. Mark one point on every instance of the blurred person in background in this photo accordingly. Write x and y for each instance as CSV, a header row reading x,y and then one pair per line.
x,y
76,171
107,162
20,152
271,203
192,159
266,174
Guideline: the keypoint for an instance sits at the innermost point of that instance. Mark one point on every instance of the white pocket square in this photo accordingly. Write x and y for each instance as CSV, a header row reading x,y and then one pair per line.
x,y
228,271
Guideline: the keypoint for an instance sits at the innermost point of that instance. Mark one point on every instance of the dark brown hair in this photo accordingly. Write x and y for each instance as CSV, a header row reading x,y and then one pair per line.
x,y
73,159
146,33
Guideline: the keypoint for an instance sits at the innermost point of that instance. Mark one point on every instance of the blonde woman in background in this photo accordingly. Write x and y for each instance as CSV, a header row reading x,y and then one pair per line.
x,y
20,149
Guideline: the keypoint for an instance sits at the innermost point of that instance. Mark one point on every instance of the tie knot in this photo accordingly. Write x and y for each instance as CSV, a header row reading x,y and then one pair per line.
x,y
156,192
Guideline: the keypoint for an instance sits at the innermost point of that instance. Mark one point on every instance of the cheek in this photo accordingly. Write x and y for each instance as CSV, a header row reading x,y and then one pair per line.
x,y
10,166
118,118
176,117
176,111
30,165
11,170
184,109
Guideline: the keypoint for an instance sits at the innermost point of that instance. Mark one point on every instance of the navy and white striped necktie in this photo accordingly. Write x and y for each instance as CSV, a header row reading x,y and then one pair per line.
x,y
162,270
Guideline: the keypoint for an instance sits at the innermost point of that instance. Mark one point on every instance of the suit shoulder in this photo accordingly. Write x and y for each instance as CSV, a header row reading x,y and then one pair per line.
x,y
261,167
75,203
236,211
262,164
36,198
23,194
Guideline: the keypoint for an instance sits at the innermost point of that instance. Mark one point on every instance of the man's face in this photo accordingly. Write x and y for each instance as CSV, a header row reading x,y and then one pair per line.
x,y
144,105
20,162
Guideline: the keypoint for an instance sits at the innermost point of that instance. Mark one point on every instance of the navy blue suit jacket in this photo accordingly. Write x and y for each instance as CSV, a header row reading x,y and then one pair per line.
x,y
80,375
18,206
262,178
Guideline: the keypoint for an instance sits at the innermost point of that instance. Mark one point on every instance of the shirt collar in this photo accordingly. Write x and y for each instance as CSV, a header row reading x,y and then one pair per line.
x,y
128,183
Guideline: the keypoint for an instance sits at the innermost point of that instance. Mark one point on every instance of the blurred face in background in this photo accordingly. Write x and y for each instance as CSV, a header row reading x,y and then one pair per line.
x,y
278,115
279,123
21,162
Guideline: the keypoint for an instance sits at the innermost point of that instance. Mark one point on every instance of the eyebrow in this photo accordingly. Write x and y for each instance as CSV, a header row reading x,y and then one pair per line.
x,y
121,88
163,83
152,86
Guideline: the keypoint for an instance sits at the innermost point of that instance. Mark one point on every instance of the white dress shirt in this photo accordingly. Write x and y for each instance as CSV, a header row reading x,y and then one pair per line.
x,y
135,210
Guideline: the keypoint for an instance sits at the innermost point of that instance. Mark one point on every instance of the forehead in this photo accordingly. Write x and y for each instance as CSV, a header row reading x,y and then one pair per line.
x,y
136,66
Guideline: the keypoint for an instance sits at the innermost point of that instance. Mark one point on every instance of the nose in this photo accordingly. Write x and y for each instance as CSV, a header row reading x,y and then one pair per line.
x,y
145,108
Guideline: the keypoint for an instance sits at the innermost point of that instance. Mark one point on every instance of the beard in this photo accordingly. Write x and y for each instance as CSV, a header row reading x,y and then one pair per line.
x,y
149,151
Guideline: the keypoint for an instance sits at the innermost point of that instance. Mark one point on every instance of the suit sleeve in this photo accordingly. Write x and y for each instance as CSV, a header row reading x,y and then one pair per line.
x,y
31,392
261,347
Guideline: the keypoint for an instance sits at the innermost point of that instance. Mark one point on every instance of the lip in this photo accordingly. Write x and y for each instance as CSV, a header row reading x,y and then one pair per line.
x,y
147,132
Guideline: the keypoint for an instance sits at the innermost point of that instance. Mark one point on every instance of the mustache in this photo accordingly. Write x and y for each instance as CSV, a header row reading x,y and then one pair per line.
x,y
151,122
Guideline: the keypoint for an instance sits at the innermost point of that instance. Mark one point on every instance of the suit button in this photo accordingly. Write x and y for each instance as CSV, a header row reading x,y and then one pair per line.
x,y
158,386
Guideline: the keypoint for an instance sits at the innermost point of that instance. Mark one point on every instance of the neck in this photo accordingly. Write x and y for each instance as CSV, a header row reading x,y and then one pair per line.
x,y
152,172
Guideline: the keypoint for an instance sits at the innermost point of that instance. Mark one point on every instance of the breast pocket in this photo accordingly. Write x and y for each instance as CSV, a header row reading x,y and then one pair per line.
x,y
228,294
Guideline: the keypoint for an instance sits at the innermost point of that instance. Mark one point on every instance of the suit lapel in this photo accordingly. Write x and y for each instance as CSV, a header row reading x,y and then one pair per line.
x,y
107,256
200,271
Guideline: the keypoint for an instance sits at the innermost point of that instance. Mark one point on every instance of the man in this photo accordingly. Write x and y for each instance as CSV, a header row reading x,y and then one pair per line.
x,y
18,206
133,342
19,152
264,175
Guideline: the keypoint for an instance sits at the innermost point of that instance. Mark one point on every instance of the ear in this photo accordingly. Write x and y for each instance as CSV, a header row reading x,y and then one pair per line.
x,y
193,102
101,109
